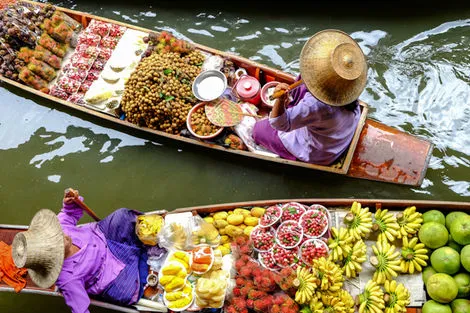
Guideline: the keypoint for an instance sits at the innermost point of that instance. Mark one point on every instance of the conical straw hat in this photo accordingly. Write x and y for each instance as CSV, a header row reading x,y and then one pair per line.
x,y
40,249
333,67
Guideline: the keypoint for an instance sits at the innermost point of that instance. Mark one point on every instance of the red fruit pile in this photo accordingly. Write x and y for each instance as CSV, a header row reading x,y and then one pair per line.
x,y
289,234
313,249
263,238
292,211
271,216
285,257
267,260
314,223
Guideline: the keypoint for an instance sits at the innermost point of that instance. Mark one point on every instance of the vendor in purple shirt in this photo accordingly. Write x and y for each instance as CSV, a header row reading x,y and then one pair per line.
x,y
103,259
317,121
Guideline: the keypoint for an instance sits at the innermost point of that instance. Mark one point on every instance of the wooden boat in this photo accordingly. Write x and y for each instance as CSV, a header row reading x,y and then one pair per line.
x,y
377,152
7,232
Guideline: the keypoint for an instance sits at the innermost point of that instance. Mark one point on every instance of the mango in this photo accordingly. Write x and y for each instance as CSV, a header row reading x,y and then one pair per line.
x,y
222,231
235,219
209,219
247,230
224,239
257,211
251,221
233,231
224,250
222,215
243,212
220,223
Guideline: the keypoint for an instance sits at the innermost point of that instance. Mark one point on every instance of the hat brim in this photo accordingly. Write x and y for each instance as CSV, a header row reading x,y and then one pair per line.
x,y
315,53
47,256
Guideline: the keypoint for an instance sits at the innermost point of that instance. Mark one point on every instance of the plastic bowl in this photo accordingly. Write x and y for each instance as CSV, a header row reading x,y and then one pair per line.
x,y
312,243
166,302
189,126
265,93
304,223
209,85
322,208
259,233
289,227
280,260
292,211
271,216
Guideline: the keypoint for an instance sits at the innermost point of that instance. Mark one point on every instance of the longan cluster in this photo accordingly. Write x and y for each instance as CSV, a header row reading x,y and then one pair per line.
x,y
158,93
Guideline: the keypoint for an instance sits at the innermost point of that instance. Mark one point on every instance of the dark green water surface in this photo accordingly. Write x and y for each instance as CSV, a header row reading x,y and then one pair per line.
x,y
419,82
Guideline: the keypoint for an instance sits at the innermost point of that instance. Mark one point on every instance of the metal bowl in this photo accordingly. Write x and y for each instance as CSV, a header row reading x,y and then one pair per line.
x,y
209,85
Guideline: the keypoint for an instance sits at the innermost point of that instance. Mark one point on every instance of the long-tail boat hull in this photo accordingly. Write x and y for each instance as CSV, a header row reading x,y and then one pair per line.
x,y
7,232
377,152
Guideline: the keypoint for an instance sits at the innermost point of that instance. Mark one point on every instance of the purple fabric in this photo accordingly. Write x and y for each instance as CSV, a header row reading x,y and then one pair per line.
x,y
93,268
311,130
266,136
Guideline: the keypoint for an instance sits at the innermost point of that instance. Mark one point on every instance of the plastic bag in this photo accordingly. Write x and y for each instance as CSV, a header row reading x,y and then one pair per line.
x,y
45,55
244,130
203,232
147,228
173,236
42,69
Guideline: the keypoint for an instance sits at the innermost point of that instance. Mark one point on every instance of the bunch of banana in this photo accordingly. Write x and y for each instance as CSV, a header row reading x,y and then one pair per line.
x,y
413,255
386,262
316,305
358,221
339,243
410,222
352,262
306,285
396,297
332,303
386,224
347,300
371,300
329,275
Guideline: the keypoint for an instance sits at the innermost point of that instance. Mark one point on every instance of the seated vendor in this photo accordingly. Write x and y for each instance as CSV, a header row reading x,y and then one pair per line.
x,y
317,121
104,259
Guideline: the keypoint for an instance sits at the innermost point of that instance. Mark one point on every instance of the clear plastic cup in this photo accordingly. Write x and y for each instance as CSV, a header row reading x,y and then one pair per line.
x,y
289,234
271,216
285,257
263,238
308,253
314,223
292,211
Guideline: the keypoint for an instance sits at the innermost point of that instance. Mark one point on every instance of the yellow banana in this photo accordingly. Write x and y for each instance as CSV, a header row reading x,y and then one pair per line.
x,y
413,255
409,221
396,297
386,224
339,243
358,221
386,262
351,265
371,300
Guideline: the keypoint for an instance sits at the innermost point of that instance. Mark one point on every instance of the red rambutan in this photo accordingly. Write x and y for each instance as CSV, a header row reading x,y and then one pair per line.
x,y
240,281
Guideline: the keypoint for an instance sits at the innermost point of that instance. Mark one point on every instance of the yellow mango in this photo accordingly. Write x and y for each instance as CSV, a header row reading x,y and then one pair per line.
x,y
222,215
224,239
242,226
220,223
224,250
247,230
233,231
175,295
257,211
251,221
235,219
222,231
227,245
230,212
172,269
209,219
243,212
180,303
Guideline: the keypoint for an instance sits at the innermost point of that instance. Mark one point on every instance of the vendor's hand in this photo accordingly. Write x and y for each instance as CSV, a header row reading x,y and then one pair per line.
x,y
284,98
70,195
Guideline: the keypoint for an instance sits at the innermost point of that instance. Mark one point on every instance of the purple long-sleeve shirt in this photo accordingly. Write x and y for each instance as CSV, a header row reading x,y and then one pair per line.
x,y
316,132
92,268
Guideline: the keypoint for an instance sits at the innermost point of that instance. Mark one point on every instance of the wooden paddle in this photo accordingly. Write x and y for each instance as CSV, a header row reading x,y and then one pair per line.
x,y
279,93
83,206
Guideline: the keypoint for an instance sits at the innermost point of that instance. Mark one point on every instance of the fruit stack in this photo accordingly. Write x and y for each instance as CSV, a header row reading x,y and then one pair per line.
x,y
447,277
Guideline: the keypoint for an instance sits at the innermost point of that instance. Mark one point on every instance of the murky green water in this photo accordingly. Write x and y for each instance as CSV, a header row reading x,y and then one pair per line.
x,y
419,82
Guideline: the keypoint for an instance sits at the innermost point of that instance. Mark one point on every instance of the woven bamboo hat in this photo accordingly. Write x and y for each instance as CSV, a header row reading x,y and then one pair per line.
x,y
40,249
333,67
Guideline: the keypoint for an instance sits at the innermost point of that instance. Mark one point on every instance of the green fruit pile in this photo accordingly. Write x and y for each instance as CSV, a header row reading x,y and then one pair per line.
x,y
447,278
